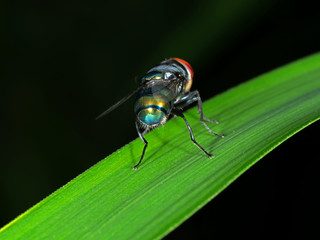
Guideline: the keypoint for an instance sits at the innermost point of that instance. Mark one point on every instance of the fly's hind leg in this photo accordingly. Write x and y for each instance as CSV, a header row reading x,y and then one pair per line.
x,y
194,96
145,145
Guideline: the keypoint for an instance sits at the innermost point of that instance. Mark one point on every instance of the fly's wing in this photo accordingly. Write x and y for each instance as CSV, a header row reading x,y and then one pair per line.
x,y
170,89
114,106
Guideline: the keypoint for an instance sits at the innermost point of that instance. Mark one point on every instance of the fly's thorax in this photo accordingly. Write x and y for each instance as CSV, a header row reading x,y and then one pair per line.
x,y
173,69
152,110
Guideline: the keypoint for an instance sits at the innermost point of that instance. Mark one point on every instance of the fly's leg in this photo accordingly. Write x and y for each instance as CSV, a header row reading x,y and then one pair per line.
x,y
145,145
193,97
202,116
180,114
210,120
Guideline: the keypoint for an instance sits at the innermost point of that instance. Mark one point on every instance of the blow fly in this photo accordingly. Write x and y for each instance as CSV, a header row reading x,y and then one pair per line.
x,y
163,91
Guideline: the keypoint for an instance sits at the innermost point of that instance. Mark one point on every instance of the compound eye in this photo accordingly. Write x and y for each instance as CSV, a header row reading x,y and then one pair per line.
x,y
187,66
169,76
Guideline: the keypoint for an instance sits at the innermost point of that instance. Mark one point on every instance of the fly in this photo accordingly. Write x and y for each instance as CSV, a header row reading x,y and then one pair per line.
x,y
163,91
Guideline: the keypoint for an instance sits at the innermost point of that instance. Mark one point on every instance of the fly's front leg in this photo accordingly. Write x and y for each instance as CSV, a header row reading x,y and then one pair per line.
x,y
193,97
145,145
200,110
180,114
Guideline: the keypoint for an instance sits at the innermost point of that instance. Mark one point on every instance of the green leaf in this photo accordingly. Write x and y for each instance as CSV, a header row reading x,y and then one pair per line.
x,y
111,201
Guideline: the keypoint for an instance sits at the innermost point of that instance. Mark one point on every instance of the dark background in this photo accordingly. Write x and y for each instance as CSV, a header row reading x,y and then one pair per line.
x,y
65,62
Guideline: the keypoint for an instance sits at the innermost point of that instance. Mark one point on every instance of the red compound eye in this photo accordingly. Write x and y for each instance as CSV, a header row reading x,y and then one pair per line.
x,y
186,64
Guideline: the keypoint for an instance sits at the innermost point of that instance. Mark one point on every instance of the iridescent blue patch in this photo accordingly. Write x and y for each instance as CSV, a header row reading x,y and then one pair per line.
x,y
151,115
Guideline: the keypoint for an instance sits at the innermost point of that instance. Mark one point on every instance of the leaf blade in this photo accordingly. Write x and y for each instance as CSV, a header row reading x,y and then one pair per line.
x,y
110,201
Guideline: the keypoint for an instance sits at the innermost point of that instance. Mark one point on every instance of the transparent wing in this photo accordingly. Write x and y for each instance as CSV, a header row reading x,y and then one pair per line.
x,y
114,106
170,89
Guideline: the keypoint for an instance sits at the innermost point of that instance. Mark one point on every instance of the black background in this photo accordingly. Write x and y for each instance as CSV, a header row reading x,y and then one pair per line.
x,y
65,62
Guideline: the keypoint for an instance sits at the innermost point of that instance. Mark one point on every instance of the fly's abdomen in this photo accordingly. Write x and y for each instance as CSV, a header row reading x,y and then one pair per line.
x,y
152,110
